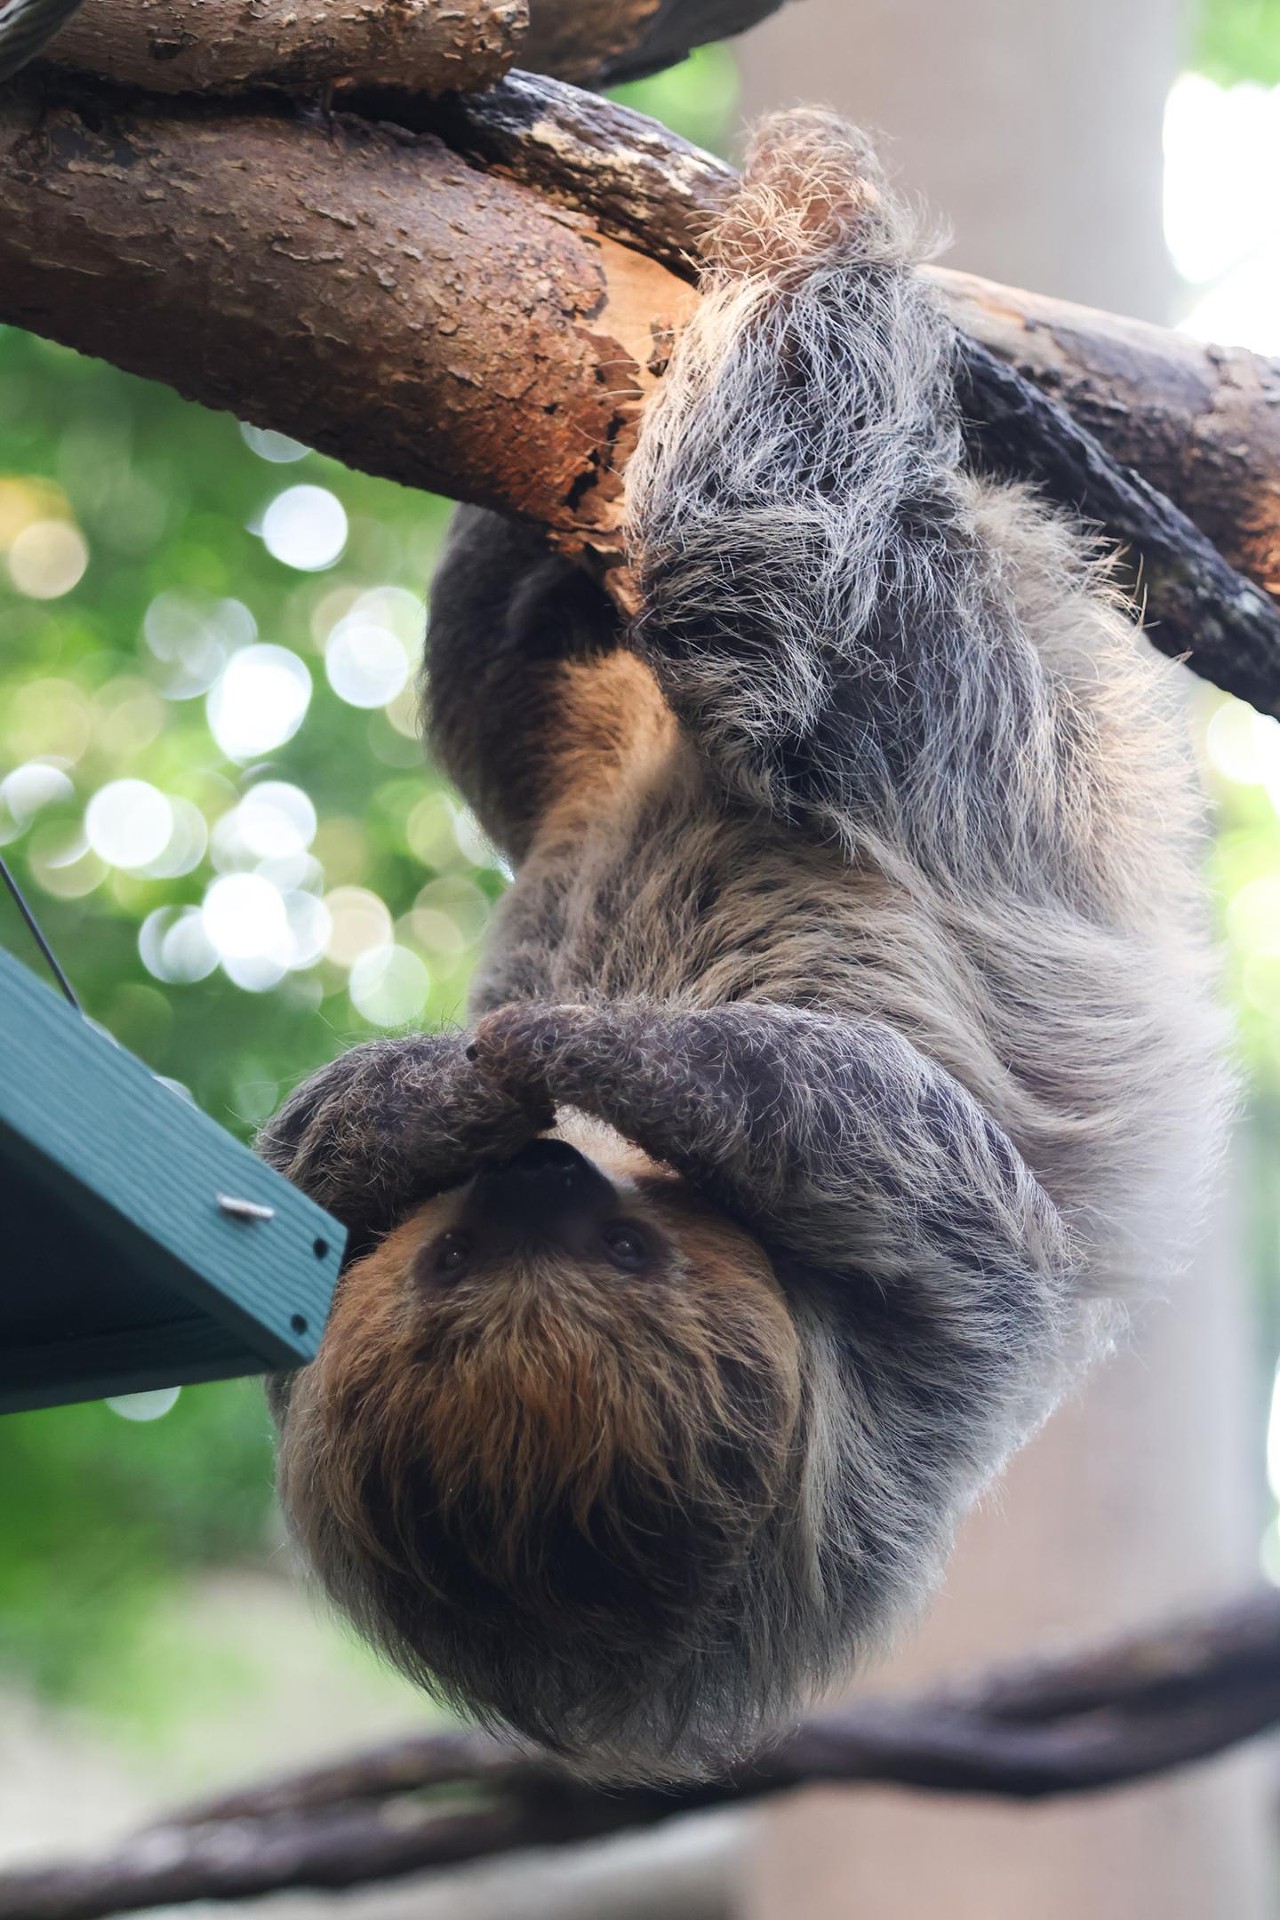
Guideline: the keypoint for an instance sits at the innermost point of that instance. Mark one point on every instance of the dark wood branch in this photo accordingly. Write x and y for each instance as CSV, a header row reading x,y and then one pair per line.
x,y
641,184
476,296
1198,608
639,37
1200,422
1139,1707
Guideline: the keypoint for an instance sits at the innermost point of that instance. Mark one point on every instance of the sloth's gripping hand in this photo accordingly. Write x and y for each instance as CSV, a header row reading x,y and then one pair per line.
x,y
870,1175
392,1122
834,1138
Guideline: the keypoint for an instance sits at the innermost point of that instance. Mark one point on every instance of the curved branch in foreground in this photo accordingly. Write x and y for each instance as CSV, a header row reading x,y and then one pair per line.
x,y
1149,1703
476,295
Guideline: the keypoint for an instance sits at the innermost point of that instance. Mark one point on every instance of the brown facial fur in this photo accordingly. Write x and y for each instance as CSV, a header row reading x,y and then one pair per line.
x,y
549,1442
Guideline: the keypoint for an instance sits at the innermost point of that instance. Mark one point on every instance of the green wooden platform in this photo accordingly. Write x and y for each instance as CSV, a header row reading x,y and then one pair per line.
x,y
140,1245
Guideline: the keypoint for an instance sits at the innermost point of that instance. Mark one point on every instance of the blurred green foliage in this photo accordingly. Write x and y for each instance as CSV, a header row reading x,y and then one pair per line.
x,y
137,563
96,1513
1238,40
698,98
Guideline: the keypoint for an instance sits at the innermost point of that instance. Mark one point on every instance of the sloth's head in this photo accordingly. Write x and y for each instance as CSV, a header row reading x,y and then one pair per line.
x,y
552,1452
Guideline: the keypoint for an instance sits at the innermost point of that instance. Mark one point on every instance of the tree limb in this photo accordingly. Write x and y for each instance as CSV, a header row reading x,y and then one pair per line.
x,y
359,287
1139,1707
222,46
1197,607
476,296
1200,423
422,46
642,36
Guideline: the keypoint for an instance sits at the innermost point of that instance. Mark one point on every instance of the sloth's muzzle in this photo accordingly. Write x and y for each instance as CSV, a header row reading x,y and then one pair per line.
x,y
548,1195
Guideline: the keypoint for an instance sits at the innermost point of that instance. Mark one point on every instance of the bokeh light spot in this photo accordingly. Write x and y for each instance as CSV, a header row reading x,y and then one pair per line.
x,y
174,946
366,664
128,823
305,528
31,786
273,446
185,847
359,920
194,634
310,928
389,986
64,863
259,701
151,1405
275,820
47,559
244,919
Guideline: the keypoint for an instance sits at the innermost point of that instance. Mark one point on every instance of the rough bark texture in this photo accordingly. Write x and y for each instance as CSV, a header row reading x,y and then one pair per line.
x,y
1067,1726
490,330
224,46
359,287
640,182
423,46
1200,422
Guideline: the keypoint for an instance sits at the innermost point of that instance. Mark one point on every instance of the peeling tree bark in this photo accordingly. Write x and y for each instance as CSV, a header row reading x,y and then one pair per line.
x,y
222,46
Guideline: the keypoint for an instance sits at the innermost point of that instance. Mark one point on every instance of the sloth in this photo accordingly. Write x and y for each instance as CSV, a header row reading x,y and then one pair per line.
x,y
845,1052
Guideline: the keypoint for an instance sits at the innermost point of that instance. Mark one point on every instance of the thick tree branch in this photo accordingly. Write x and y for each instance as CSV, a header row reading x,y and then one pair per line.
x,y
1198,608
1149,1703
422,46
1199,423
360,287
475,296
222,46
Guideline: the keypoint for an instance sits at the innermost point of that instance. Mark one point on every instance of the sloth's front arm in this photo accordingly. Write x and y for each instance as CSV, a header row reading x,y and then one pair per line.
x,y
834,1139
390,1123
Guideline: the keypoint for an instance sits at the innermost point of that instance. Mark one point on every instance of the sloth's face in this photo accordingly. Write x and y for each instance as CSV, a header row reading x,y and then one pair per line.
x,y
557,1407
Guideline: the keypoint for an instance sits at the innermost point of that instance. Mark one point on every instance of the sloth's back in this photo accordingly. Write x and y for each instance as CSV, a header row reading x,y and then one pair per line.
x,y
1061,973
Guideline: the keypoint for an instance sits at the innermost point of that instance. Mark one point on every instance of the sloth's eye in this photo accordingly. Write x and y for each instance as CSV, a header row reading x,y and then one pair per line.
x,y
452,1256
626,1246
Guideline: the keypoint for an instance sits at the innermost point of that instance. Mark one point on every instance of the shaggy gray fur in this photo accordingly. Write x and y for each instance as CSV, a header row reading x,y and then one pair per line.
x,y
890,944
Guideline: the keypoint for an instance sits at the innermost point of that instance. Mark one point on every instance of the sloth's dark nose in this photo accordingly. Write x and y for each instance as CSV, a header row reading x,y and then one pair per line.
x,y
543,1192
542,1158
